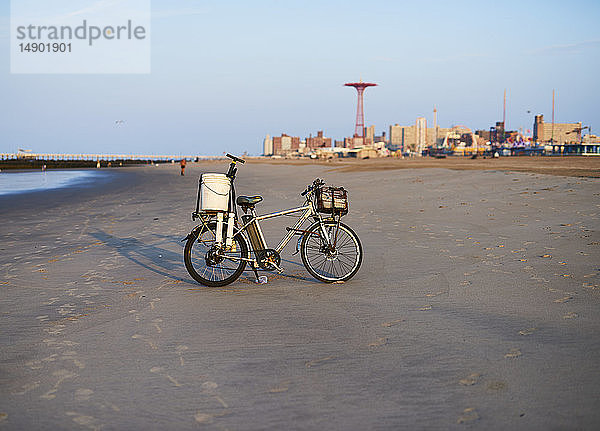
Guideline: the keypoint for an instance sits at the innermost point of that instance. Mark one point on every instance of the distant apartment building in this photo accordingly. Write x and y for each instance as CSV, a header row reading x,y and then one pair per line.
x,y
354,142
557,133
416,138
421,134
268,146
318,141
369,134
284,144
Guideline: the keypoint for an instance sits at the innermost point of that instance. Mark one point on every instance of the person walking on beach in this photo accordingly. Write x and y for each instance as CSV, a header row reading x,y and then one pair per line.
x,y
182,164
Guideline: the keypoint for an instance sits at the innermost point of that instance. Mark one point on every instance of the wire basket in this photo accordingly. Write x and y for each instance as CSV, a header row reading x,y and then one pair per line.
x,y
332,200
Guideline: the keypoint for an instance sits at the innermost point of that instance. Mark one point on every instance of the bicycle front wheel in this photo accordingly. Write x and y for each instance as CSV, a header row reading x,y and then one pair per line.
x,y
210,265
329,261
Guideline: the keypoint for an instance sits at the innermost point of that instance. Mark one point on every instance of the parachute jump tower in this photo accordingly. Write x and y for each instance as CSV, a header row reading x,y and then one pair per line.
x,y
360,116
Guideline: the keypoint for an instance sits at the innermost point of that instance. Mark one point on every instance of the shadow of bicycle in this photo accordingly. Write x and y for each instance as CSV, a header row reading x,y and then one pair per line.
x,y
160,258
154,257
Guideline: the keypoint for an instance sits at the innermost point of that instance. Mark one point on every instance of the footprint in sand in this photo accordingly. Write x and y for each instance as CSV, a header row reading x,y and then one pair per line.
x,y
318,362
527,331
282,387
180,349
83,394
470,380
85,420
513,353
378,343
141,337
496,385
563,300
469,415
392,323
155,322
203,418
160,372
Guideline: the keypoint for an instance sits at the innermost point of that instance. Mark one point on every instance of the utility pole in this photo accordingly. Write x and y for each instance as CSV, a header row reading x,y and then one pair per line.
x,y
504,117
434,127
552,137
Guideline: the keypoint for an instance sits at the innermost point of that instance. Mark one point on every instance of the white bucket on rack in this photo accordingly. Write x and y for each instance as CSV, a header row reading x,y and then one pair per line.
x,y
214,192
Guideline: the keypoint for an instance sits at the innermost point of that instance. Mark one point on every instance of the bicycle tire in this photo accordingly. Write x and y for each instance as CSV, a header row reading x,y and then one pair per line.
x,y
195,252
340,264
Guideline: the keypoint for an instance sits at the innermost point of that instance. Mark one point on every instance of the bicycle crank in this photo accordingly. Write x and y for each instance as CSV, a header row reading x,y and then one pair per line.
x,y
269,259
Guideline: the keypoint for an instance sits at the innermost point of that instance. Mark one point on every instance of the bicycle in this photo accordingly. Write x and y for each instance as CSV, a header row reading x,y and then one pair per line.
x,y
218,249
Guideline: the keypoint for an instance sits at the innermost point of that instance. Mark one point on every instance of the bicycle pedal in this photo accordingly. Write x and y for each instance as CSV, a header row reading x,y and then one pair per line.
x,y
278,268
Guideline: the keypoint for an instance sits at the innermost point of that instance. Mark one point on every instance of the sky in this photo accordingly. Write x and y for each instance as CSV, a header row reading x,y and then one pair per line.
x,y
226,73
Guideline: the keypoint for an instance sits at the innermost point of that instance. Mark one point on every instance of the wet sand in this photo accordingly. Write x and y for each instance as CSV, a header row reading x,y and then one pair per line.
x,y
476,307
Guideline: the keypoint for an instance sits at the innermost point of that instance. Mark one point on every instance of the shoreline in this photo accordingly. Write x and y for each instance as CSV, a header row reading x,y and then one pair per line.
x,y
572,166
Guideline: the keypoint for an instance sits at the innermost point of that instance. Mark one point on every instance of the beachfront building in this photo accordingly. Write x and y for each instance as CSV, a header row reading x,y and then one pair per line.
x,y
556,133
318,141
421,135
411,138
285,144
268,146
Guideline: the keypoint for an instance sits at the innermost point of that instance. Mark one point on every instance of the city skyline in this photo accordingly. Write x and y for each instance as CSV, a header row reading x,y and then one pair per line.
x,y
225,75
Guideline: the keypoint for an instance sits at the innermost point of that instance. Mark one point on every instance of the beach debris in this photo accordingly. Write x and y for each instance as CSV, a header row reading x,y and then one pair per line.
x,y
513,353
563,299
379,342
546,256
571,315
317,362
262,280
431,295
425,308
469,415
527,331
470,380
3,416
562,263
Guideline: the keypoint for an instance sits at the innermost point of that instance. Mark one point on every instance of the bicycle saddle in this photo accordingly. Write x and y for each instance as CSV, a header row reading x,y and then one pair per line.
x,y
248,200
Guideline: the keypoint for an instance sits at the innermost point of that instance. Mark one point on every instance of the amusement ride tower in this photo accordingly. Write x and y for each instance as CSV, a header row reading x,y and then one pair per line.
x,y
360,116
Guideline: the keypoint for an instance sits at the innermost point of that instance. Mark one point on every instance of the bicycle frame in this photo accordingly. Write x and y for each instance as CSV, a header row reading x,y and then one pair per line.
x,y
308,208
308,212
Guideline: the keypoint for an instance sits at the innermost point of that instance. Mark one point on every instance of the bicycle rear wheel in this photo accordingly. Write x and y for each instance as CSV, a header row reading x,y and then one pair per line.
x,y
209,265
331,262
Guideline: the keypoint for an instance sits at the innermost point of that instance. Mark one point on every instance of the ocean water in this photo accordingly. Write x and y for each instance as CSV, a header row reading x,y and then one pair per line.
x,y
23,182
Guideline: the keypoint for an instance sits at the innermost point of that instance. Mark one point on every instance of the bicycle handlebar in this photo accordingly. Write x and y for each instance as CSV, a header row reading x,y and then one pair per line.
x,y
235,159
316,183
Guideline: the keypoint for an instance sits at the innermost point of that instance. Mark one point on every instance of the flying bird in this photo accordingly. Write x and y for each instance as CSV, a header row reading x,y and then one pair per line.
x,y
119,122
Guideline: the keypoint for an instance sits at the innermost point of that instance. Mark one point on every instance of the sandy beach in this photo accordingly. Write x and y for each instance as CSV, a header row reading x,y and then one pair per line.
x,y
476,306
